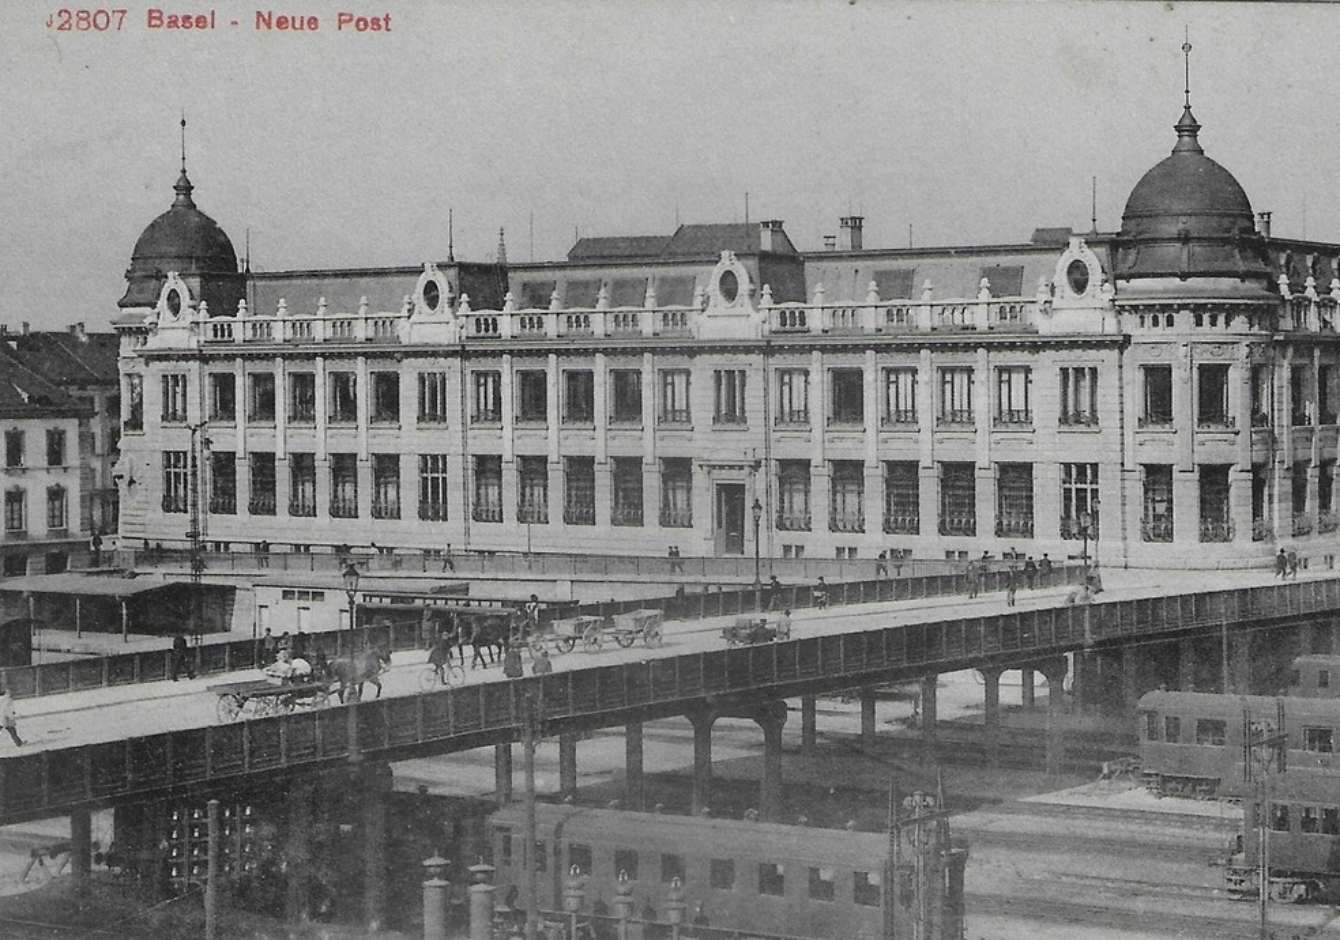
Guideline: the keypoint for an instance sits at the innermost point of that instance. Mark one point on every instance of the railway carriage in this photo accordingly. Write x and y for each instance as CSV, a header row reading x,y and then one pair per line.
x,y
1315,676
1302,821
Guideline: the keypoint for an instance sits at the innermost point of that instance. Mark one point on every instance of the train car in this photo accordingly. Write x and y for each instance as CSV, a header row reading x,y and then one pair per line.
x,y
1302,823
1315,676
1191,743
746,875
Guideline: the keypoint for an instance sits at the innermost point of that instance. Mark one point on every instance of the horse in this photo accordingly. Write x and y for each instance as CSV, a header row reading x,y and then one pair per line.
x,y
491,635
353,671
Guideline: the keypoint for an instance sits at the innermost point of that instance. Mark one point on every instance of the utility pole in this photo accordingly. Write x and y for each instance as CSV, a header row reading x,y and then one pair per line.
x,y
530,735
1263,744
196,532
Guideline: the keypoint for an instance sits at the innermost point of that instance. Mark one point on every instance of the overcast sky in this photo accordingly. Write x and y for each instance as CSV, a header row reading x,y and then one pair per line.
x,y
972,122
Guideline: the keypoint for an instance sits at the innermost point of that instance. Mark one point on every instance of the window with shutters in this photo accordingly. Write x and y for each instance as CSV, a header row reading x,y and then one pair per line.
x,y
729,394
793,397
958,498
956,396
1014,388
900,397
1079,396
432,397
487,407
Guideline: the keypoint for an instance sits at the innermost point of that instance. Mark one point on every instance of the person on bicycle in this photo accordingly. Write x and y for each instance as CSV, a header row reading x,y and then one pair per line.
x,y
440,653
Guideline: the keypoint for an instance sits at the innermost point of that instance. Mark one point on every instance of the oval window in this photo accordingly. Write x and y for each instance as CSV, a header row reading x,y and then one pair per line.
x,y
1078,276
174,302
728,286
431,295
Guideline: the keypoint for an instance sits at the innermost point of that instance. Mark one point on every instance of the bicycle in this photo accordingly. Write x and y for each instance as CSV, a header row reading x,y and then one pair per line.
x,y
444,676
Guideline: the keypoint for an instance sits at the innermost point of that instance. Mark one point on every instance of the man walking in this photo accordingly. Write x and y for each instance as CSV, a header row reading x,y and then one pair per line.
x,y
181,657
447,563
1281,564
8,718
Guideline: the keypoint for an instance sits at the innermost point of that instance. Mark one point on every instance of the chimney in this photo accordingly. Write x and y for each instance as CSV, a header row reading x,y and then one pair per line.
x,y
1263,224
770,237
830,243
23,327
851,232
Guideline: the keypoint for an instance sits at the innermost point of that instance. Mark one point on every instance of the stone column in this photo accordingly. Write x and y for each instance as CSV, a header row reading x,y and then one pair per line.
x,y
991,712
770,787
81,844
1055,671
1239,664
1186,665
633,786
702,759
1027,695
567,765
929,687
298,852
502,773
1130,678
808,725
376,783
868,719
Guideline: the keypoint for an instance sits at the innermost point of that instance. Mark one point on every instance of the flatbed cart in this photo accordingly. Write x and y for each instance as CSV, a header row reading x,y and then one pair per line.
x,y
750,630
564,634
257,698
643,624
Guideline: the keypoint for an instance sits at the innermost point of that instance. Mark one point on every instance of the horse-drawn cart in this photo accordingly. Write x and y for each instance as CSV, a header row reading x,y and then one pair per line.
x,y
643,624
257,698
749,630
564,634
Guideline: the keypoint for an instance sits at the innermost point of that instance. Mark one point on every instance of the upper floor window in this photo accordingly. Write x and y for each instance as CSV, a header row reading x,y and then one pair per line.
x,y
848,388
728,388
900,396
1326,394
222,397
956,395
674,396
432,397
1263,396
1300,394
1158,401
260,396
13,449
16,510
793,396
174,397
532,395
1212,396
626,396
1014,386
1079,395
385,397
488,396
342,397
134,402
302,397
55,447
579,396
57,508
174,481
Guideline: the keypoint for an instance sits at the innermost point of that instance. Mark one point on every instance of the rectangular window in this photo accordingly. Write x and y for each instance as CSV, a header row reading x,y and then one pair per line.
x,y
728,392
532,395
579,490
134,399
13,449
1151,726
1330,821
1279,817
342,397
900,397
625,861
503,835
793,396
1172,730
1263,396
847,397
1300,395
958,498
1211,731
1212,397
487,503
1323,678
16,510
1158,400
1216,523
344,486
579,396
174,397
626,396
262,502
793,495
301,484
865,889
57,508
674,396
260,396
385,397
1299,497
532,492
672,867
771,879
223,397
956,395
902,497
223,482
1326,395
1307,819
55,447
433,486
302,397
432,397
823,884
1014,387
721,874
1014,500
1318,740
1156,525
1079,500
174,480
487,397
541,856
846,504
386,486
579,856
1079,396
627,509
677,492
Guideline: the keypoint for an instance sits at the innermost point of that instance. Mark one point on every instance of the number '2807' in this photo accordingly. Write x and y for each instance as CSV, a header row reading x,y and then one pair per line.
x,y
66,20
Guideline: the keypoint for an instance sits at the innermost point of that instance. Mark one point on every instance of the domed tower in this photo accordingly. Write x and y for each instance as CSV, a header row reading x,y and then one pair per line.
x,y
186,241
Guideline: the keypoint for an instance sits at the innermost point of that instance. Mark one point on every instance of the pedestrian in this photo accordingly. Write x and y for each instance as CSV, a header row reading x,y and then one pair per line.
x,y
1293,563
1045,567
284,642
181,657
299,645
1281,564
447,563
1030,572
96,544
821,593
532,610
269,645
784,625
882,565
512,667
8,717
971,574
774,592
542,665
263,554
1011,585
676,566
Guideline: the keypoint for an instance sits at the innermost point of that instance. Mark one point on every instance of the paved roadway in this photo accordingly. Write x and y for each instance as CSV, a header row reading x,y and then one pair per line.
x,y
100,715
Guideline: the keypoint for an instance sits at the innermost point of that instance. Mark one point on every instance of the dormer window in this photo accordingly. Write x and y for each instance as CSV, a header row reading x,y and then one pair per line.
x,y
1077,275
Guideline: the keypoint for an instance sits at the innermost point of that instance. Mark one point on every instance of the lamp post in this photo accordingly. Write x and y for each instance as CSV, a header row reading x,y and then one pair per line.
x,y
757,510
574,894
351,576
623,903
675,906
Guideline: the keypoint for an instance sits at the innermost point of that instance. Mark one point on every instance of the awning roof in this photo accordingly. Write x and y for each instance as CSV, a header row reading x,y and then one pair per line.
x,y
86,585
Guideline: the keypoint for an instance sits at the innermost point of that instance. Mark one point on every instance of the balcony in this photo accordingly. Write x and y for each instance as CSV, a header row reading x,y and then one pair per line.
x,y
579,514
433,512
1216,422
532,514
901,524
1302,523
344,507
302,506
1020,527
729,420
958,525
901,418
1014,417
486,416
385,508
846,522
793,521
1263,530
486,512
676,518
847,419
1074,529
1156,530
1078,420
793,419
1327,522
261,504
1155,421
173,503
675,416
1216,530
955,417
627,515
223,504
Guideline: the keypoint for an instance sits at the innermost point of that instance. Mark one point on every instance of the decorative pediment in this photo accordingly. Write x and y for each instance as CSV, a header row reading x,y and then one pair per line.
x,y
175,302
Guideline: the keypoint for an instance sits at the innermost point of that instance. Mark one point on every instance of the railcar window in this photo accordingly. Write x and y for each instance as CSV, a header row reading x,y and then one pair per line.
x,y
580,855
1318,740
505,846
541,856
672,867
625,860
865,889
1211,731
1279,817
1330,821
1295,678
722,874
770,879
1323,678
822,887
1151,726
1172,730
1307,819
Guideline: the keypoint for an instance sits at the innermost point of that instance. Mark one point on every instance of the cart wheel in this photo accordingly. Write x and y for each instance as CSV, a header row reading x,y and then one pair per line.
x,y
625,640
229,707
453,674
428,680
565,644
654,637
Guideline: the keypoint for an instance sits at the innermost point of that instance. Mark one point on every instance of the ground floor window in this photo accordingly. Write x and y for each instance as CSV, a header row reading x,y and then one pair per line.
x,y
793,495
1156,523
958,498
487,503
579,491
532,492
677,492
1014,500
846,505
1216,523
627,508
433,486
902,497
1079,498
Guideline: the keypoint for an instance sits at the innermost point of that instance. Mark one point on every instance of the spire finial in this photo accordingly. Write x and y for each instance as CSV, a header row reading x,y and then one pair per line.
x,y
451,236
183,140
183,186
502,247
1186,57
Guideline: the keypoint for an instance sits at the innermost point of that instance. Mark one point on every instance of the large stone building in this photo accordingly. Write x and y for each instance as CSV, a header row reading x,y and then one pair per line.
x,y
1168,390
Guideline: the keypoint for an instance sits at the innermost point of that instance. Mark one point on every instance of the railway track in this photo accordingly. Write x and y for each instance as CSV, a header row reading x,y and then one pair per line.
x,y
1165,923
1116,814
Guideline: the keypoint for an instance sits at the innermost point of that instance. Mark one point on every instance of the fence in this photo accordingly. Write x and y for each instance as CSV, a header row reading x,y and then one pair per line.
x,y
47,783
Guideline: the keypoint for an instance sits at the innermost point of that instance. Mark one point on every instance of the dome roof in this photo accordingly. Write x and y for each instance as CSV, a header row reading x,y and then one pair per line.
x,y
1188,217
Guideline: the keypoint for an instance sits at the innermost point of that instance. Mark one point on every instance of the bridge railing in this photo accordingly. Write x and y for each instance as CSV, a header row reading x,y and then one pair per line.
x,y
229,656
49,782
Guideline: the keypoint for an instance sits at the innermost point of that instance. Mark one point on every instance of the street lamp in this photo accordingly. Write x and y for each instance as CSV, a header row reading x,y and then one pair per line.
x,y
351,576
574,893
757,510
623,903
675,906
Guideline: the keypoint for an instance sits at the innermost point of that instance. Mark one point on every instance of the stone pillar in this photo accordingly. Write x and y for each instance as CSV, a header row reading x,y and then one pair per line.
x,y
1027,695
808,725
298,852
1130,678
567,765
1238,666
991,712
1055,671
502,773
702,759
1186,665
929,686
376,783
81,844
770,787
634,791
868,719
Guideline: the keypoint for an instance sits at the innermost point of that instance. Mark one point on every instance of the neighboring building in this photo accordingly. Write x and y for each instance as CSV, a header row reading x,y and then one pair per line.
x,y
659,390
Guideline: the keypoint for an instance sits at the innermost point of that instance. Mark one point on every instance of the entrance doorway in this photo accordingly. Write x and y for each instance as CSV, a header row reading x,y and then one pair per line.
x,y
730,519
